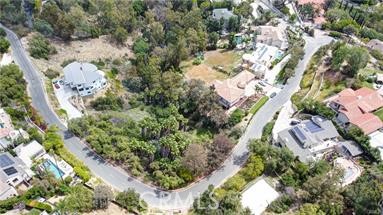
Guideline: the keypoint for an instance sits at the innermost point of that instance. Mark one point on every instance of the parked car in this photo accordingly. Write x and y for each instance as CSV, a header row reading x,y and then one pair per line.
x,y
57,86
295,122
273,94
61,82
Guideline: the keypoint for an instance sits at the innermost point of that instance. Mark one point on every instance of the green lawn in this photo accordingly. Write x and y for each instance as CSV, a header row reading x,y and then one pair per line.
x,y
379,113
259,104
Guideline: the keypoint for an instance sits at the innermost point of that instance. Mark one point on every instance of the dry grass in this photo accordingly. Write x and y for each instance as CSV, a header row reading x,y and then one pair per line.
x,y
84,50
112,209
206,72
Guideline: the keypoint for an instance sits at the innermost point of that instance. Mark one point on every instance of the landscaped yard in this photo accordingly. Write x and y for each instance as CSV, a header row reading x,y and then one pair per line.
x,y
207,70
259,104
379,113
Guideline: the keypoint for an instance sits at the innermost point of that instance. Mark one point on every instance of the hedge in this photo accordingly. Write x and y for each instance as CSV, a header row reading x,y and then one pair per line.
x,y
259,104
39,205
78,167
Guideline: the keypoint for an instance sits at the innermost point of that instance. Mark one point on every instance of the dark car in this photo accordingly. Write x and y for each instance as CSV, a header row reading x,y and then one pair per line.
x,y
273,94
57,86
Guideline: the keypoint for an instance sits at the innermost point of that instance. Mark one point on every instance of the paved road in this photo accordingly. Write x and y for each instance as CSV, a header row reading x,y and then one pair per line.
x,y
116,177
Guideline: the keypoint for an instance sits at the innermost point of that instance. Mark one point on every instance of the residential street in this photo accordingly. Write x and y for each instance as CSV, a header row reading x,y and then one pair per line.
x,y
118,178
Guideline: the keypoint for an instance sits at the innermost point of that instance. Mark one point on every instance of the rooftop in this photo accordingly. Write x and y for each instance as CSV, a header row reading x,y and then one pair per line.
x,y
222,13
301,139
233,89
11,167
357,106
81,73
27,152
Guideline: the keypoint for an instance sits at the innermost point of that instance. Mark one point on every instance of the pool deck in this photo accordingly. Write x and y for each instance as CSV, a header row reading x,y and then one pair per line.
x,y
61,164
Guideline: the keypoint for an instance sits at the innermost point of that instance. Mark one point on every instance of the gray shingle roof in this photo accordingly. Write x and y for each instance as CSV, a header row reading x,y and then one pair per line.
x,y
10,166
308,134
351,148
81,73
222,13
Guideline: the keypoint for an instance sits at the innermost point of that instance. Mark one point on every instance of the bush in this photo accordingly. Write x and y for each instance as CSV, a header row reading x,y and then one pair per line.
x,y
2,32
335,34
78,167
39,205
43,27
281,205
236,117
377,54
4,45
51,73
131,201
68,61
39,47
267,130
108,102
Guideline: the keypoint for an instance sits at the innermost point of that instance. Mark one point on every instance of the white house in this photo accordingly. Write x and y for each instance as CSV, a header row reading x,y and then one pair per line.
x,y
84,77
13,171
260,60
7,191
29,152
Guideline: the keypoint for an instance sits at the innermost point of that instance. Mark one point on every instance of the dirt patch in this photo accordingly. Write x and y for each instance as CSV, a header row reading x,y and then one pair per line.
x,y
84,50
207,71
112,209
204,73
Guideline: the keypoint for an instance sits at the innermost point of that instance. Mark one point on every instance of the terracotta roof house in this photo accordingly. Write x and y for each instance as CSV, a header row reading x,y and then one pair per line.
x,y
232,90
375,44
356,107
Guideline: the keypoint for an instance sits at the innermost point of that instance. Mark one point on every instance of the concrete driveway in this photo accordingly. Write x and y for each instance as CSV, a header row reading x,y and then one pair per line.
x,y
63,94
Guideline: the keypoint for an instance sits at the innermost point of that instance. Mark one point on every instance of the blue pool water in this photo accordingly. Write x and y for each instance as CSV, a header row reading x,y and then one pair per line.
x,y
51,167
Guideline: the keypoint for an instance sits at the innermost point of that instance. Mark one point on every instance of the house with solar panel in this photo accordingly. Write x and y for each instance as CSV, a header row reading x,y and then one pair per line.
x,y
310,139
84,78
13,173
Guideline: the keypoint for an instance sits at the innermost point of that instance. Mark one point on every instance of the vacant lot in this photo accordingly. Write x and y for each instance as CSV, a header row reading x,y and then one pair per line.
x,y
84,50
207,70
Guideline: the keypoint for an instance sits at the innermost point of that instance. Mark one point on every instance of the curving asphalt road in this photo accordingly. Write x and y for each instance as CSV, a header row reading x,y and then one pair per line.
x,y
118,178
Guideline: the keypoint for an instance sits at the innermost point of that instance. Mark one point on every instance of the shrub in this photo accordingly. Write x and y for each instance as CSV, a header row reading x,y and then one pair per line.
x,y
4,45
281,205
108,102
43,27
39,47
236,117
51,73
131,201
335,34
2,32
39,205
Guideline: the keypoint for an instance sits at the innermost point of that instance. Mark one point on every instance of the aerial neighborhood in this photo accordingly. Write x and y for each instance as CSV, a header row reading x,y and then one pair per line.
x,y
191,107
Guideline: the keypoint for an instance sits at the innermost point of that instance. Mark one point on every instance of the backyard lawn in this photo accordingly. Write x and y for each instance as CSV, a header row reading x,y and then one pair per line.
x,y
379,113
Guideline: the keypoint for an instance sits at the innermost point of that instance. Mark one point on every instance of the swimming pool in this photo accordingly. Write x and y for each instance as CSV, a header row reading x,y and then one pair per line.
x,y
51,167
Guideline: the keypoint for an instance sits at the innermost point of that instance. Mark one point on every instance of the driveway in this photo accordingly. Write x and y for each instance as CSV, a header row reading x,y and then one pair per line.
x,y
119,179
63,95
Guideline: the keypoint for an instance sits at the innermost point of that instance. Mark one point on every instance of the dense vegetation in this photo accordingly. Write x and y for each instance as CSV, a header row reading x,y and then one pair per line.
x,y
39,47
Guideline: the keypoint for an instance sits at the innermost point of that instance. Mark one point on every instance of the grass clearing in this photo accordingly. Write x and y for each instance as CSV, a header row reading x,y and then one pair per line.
x,y
379,113
259,104
206,71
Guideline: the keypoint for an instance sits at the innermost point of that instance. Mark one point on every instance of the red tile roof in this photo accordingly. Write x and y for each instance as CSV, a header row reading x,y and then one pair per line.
x,y
357,106
233,89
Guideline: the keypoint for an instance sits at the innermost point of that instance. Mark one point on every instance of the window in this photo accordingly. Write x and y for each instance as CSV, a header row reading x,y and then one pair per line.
x,y
82,89
15,180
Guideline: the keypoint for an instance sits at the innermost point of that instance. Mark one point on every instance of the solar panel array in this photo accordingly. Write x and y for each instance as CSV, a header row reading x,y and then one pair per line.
x,y
299,134
312,127
5,161
10,171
